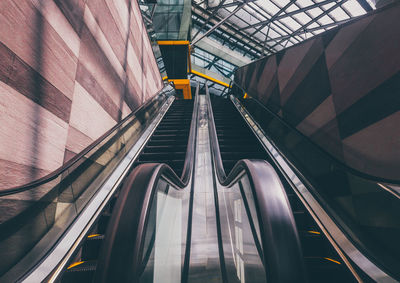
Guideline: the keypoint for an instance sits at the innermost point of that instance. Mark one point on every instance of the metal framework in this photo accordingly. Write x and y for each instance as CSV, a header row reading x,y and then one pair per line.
x,y
257,28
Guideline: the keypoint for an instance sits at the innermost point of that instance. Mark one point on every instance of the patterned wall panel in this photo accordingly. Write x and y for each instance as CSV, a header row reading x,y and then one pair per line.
x,y
69,70
341,89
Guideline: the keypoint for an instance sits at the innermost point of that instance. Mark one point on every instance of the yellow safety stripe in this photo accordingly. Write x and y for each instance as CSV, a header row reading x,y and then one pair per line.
x,y
314,232
335,261
75,264
93,235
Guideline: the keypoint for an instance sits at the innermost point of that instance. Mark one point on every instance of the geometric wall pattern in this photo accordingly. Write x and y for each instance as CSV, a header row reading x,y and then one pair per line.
x,y
69,71
341,89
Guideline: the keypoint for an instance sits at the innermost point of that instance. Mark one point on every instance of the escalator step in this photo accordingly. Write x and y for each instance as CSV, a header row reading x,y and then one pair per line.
x,y
295,203
313,244
91,247
103,222
162,156
165,148
301,220
80,273
167,142
157,136
325,269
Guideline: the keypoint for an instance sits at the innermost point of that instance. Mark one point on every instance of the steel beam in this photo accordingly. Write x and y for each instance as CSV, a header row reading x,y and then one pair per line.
x,y
289,14
219,23
228,31
208,19
301,29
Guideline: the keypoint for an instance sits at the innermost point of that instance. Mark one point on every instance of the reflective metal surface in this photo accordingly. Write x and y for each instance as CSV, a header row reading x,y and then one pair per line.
x,y
242,259
165,238
204,255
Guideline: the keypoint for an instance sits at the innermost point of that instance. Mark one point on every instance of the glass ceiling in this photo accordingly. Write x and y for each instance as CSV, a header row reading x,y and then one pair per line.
x,y
257,28
253,29
272,25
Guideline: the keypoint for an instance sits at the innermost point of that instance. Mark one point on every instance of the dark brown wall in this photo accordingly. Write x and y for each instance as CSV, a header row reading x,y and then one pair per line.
x,y
69,70
341,89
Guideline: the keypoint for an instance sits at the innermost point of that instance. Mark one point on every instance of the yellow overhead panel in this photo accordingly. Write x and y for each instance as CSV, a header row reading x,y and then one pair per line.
x,y
184,85
209,78
173,42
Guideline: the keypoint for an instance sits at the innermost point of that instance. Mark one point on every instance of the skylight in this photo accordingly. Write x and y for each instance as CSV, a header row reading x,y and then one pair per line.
x,y
263,27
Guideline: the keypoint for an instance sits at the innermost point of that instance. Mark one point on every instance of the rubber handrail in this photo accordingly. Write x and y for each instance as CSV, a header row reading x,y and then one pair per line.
x,y
121,255
221,175
51,176
188,165
120,258
329,156
282,254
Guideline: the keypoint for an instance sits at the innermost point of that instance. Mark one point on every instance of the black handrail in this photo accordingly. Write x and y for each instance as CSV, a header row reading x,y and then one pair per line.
x,y
121,256
282,254
329,156
188,165
51,176
351,230
216,154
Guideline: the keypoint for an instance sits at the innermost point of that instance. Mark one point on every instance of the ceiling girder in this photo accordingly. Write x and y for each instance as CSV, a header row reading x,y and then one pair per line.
x,y
227,28
301,29
289,14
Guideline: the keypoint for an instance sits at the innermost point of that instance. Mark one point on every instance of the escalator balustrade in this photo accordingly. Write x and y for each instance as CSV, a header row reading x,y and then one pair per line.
x,y
236,142
168,145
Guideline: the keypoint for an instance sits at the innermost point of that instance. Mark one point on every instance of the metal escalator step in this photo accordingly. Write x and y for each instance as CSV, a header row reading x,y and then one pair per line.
x,y
171,131
313,244
156,136
326,269
167,142
176,121
80,272
172,163
295,203
103,222
301,220
91,247
165,148
241,155
174,125
170,155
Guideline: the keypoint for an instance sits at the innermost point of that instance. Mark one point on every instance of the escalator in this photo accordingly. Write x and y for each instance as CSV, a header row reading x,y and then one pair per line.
x,y
236,141
149,235
54,227
358,210
125,207
168,144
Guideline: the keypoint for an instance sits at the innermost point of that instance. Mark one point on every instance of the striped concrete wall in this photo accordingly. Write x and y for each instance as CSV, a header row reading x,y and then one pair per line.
x,y
69,70
341,89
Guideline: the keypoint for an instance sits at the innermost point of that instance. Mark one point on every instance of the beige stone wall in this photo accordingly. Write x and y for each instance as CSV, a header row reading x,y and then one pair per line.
x,y
69,71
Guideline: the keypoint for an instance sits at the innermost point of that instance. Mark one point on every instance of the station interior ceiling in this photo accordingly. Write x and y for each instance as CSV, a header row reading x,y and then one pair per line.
x,y
227,34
